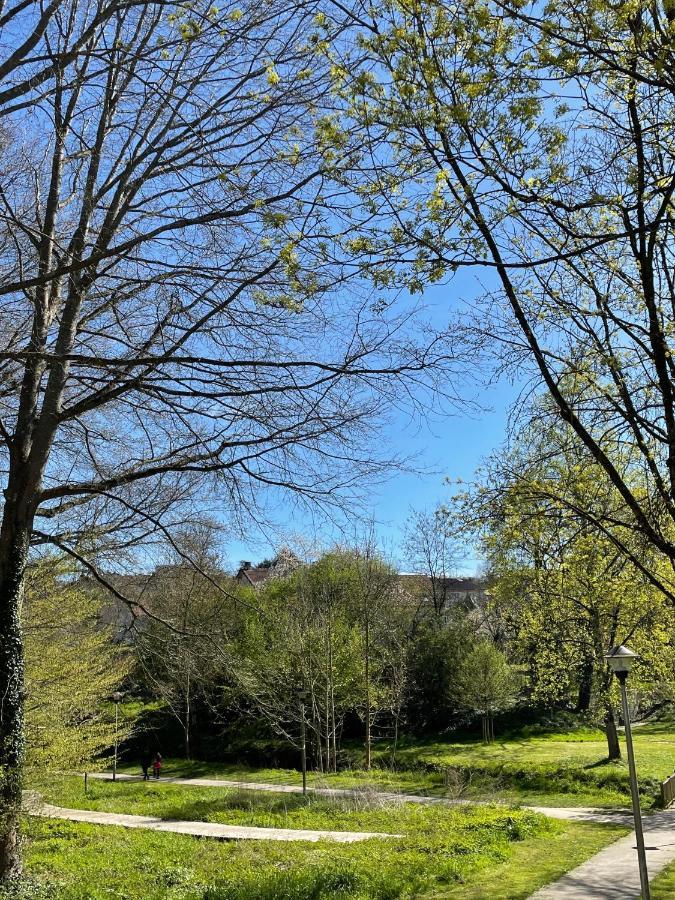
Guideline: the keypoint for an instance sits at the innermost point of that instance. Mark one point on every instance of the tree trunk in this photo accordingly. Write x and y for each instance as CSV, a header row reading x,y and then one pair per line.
x,y
13,555
613,745
586,685
317,742
319,750
327,717
186,739
331,745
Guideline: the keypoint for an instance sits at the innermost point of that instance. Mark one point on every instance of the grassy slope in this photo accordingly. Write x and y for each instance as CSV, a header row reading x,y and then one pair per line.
x,y
565,768
663,886
445,852
534,863
476,784
382,778
235,807
555,769
460,852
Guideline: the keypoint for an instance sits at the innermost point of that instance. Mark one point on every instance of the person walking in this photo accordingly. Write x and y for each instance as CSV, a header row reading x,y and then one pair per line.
x,y
146,762
157,764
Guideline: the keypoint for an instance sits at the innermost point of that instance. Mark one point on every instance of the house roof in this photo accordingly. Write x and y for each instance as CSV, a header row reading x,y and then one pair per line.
x,y
255,574
450,585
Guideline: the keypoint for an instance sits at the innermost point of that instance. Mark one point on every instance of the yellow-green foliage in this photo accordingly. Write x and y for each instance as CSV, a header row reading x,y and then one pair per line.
x,y
566,589
72,667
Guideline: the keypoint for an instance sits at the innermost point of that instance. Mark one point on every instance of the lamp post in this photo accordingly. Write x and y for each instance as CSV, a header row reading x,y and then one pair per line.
x,y
620,660
116,697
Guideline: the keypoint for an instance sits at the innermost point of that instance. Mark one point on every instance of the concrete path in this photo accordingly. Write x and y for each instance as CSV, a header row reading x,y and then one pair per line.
x,y
576,813
592,814
202,829
612,874
284,788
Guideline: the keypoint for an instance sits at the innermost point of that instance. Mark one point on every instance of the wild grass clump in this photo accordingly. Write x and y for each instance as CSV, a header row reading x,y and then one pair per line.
x,y
431,848
28,889
311,884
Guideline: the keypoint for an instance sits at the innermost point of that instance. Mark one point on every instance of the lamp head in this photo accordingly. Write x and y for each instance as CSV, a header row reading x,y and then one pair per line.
x,y
620,660
117,696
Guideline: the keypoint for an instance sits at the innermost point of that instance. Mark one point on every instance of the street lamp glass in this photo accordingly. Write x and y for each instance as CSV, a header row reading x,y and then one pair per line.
x,y
620,659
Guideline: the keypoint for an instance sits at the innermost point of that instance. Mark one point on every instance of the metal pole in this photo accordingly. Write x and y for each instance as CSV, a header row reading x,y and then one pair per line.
x,y
115,756
303,748
637,815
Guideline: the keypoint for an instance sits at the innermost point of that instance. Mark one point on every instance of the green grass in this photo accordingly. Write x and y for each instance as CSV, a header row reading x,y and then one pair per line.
x,y
444,853
545,769
534,863
382,778
557,768
231,806
69,790
663,886
473,782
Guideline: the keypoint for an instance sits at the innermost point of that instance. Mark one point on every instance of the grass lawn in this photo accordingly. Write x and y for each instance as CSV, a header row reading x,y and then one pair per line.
x,y
384,779
467,851
663,886
557,768
427,778
534,863
567,768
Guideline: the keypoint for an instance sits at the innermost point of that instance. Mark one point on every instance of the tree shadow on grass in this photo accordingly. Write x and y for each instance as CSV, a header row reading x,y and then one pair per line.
x,y
606,761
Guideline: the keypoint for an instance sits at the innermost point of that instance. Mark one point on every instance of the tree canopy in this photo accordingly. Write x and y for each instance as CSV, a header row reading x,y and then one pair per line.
x,y
562,590
532,144
73,666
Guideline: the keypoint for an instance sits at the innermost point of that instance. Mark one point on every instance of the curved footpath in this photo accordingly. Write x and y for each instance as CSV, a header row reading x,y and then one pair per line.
x,y
202,829
612,874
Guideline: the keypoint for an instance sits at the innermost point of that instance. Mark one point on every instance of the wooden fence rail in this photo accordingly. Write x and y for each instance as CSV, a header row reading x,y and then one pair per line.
x,y
667,791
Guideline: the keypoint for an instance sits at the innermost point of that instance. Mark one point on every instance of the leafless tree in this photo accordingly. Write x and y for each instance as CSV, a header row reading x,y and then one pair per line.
x,y
183,647
433,551
171,314
378,612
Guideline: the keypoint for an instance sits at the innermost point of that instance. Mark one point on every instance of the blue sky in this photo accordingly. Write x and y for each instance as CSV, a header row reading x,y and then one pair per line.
x,y
447,447
451,448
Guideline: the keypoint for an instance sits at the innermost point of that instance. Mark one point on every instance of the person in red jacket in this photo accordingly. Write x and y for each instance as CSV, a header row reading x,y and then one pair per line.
x,y
157,764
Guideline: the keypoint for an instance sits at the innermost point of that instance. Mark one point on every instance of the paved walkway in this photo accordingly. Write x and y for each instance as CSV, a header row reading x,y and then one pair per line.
x,y
285,788
592,814
202,829
576,813
612,874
